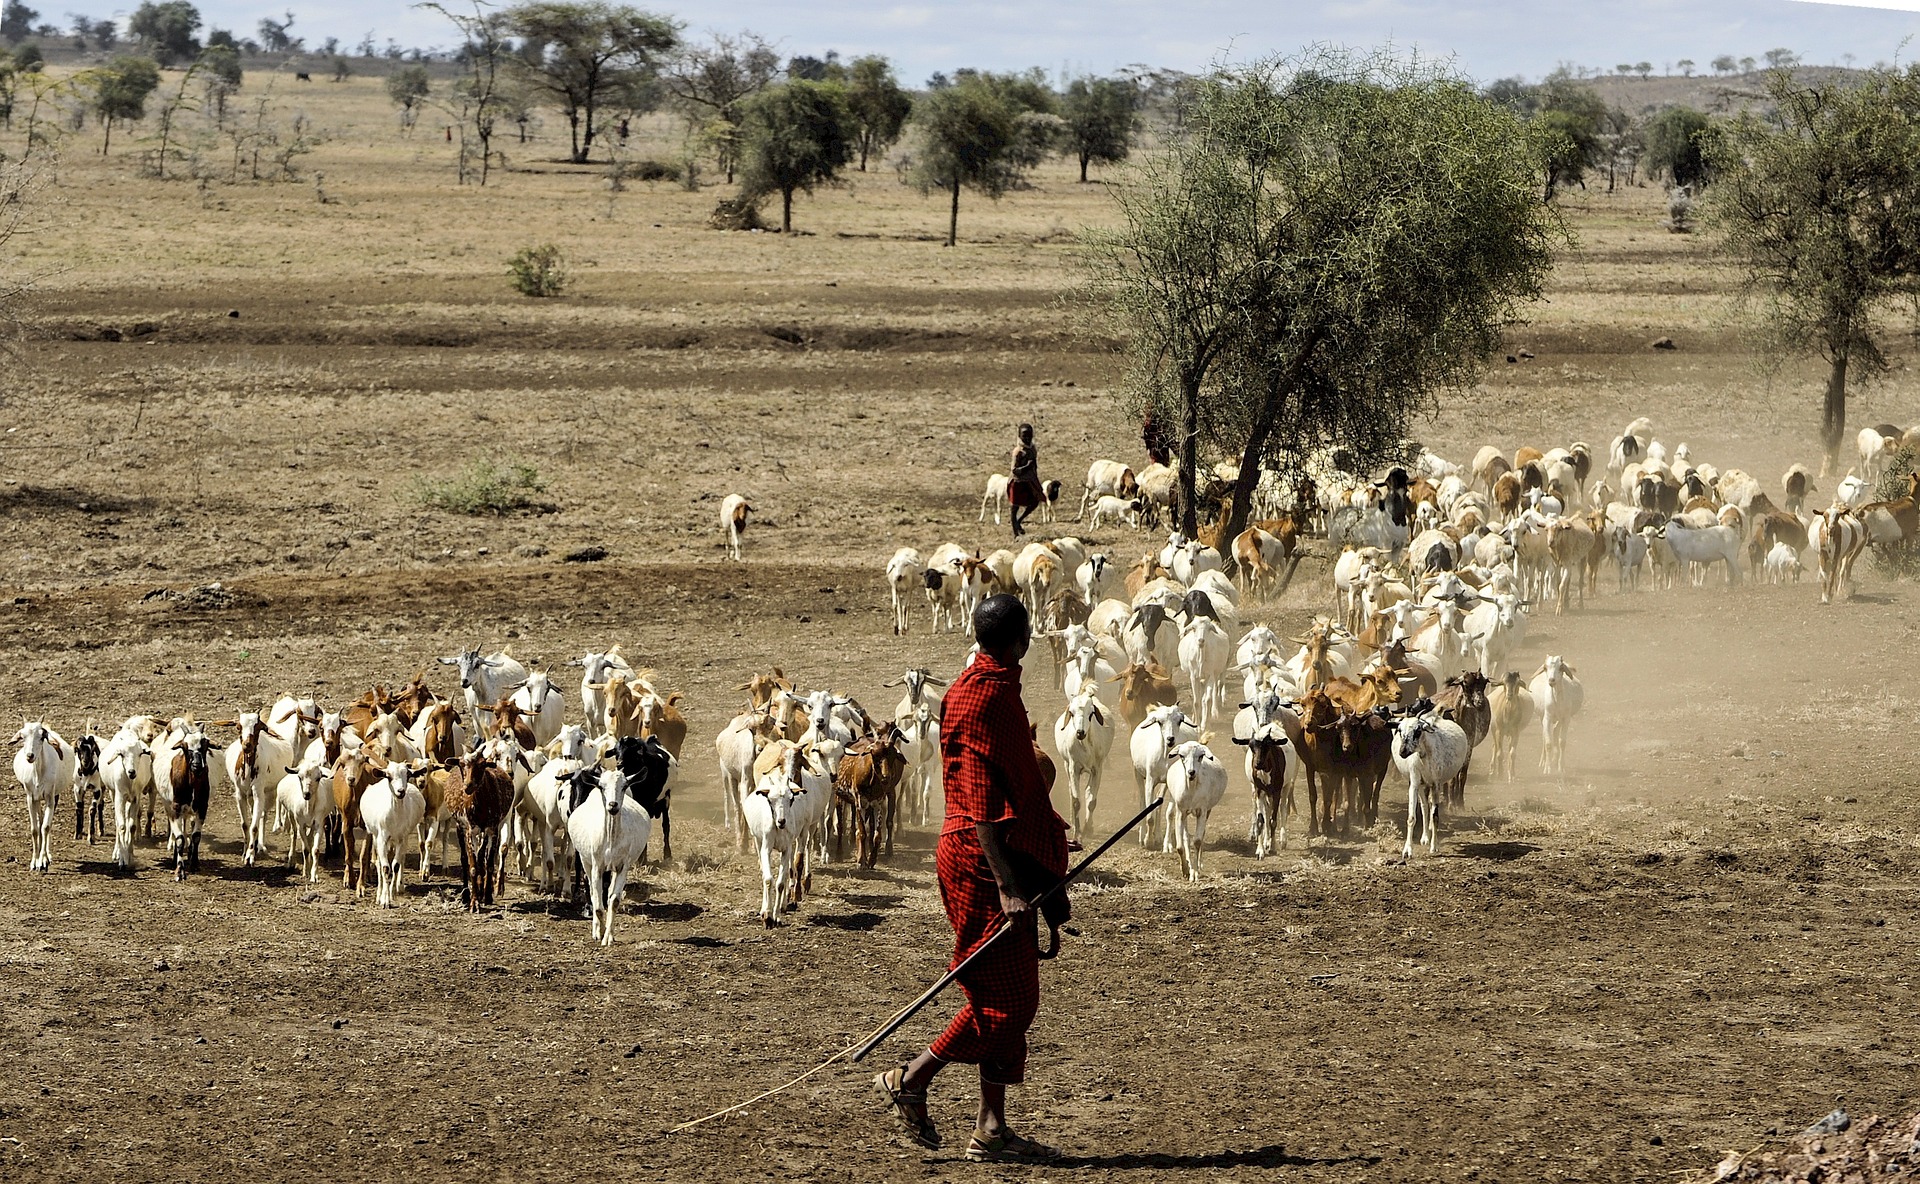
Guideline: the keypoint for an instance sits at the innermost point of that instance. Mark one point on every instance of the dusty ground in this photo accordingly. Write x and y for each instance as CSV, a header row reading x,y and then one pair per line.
x,y
1695,936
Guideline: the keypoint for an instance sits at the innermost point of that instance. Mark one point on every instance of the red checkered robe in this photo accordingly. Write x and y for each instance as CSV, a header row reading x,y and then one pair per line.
x,y
991,775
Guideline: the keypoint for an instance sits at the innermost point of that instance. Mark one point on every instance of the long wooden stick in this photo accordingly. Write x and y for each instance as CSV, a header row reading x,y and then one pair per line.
x,y
906,1013
893,1025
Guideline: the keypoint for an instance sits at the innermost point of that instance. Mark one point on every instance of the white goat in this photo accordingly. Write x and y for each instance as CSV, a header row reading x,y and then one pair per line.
x,y
126,768
1151,746
305,804
391,809
1431,752
1204,653
609,830
543,705
768,809
905,571
1196,783
45,765
1558,694
733,520
1083,735
253,762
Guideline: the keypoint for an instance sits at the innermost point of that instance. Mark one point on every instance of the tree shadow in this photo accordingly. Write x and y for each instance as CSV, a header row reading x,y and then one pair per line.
x,y
41,497
702,941
1274,1156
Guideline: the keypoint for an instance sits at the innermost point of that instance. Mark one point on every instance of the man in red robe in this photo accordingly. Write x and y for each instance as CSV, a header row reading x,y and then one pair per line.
x,y
999,812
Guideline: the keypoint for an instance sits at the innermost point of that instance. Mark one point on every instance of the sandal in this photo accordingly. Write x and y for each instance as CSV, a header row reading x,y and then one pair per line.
x,y
909,1106
1008,1147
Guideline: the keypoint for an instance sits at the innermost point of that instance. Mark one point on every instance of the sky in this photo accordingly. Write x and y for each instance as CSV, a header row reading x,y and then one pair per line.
x,y
1485,38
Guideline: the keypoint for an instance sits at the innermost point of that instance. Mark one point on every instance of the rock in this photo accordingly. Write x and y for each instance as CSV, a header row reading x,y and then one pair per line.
x,y
529,550
1664,343
1832,1124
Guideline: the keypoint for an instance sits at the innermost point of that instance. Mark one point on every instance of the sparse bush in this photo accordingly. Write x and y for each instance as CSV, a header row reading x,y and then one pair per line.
x,y
539,271
483,488
653,170
1900,561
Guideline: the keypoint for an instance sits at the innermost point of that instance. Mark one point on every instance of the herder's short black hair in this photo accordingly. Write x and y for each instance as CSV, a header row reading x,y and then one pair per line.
x,y
1001,622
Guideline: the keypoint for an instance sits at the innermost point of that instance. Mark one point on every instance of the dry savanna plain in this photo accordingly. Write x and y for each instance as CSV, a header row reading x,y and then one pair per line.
x,y
1697,937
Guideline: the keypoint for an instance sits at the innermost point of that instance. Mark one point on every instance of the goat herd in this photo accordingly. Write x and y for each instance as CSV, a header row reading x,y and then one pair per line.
x,y
1435,571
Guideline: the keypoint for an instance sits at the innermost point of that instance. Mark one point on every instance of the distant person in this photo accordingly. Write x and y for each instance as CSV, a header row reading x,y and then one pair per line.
x,y
1157,438
623,131
1024,494
999,821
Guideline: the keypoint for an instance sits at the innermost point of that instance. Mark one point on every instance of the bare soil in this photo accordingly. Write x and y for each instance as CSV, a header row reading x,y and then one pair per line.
x,y
1696,935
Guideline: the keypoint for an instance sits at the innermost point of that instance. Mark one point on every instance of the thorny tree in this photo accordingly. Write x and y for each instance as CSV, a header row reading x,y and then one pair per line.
x,y
581,51
1819,201
473,101
1328,243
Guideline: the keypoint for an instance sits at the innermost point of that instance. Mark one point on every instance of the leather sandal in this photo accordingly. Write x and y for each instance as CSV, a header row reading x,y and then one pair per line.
x,y
909,1106
1007,1147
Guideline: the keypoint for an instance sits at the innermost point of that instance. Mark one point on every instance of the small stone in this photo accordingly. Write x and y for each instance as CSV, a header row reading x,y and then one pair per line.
x,y
161,964
529,550
1664,343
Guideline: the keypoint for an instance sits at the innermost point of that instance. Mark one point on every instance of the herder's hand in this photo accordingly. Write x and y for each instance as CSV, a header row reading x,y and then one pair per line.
x,y
1013,906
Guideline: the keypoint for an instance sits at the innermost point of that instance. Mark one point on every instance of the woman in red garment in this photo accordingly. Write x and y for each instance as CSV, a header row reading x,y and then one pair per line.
x,y
999,811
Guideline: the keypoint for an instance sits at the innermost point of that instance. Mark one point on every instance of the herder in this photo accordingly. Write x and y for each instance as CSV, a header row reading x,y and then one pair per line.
x,y
1024,492
1000,839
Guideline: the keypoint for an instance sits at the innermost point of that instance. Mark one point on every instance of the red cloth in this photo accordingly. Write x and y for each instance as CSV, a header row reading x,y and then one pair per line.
x,y
991,776
989,770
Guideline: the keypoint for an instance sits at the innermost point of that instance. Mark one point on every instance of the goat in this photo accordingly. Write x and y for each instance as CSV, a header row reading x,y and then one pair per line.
x,y
353,774
608,830
392,808
870,774
189,785
1509,708
45,767
648,767
1106,477
89,791
1151,747
995,498
486,679
1839,537
733,520
1203,655
126,765
1431,752
1558,694
1196,783
904,571
543,705
479,796
300,801
1083,735
768,811
1270,764
250,764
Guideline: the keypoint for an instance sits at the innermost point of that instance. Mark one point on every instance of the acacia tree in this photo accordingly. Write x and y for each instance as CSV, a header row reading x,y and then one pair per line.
x,y
983,132
1677,145
793,137
120,89
878,105
474,101
711,82
1819,201
1327,243
579,50
1100,120
166,29
407,88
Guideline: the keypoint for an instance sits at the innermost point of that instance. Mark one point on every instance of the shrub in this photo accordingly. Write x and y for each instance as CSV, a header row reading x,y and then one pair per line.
x,y
539,271
484,487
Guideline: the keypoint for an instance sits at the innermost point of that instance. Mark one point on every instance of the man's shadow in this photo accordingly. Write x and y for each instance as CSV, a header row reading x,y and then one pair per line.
x,y
1274,1156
